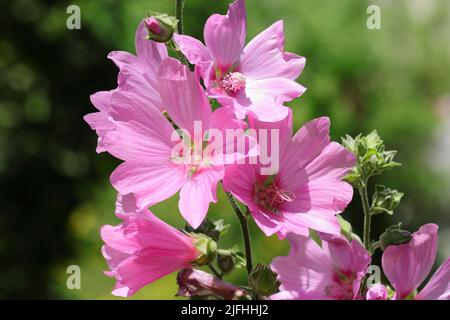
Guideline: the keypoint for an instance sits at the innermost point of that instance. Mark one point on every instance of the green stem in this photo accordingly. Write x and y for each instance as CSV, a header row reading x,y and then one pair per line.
x,y
245,233
215,271
367,216
179,15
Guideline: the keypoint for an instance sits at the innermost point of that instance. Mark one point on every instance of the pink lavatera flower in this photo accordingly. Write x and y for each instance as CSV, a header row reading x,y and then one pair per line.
x,y
156,166
143,249
257,78
305,189
138,75
407,265
330,271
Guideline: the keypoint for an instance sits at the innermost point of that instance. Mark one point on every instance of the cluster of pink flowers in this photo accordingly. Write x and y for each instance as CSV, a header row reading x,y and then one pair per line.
x,y
159,101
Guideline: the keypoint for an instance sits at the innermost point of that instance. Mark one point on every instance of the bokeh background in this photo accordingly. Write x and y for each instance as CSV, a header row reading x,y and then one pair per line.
x,y
54,189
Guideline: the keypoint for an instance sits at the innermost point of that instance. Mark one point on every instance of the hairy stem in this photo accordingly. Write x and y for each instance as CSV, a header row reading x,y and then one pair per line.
x,y
179,15
367,215
245,233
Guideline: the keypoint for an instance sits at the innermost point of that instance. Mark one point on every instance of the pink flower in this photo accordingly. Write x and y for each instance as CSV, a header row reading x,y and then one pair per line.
x,y
143,249
157,164
332,271
377,292
306,191
256,79
407,265
137,74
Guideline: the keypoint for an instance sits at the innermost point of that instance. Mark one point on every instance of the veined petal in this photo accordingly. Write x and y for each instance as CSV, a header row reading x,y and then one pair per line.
x,y
264,56
197,193
438,288
225,35
150,181
407,265
182,95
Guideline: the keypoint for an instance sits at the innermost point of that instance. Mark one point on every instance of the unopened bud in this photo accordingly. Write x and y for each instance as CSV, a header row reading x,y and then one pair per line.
x,y
206,247
160,26
226,263
385,200
263,280
197,283
153,25
394,236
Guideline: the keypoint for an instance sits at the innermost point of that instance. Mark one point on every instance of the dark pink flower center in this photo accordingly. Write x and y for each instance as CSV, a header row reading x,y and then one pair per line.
x,y
271,196
342,286
233,82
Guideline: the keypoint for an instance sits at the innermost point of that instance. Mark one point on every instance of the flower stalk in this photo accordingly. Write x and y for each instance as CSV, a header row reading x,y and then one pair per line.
x,y
367,214
245,232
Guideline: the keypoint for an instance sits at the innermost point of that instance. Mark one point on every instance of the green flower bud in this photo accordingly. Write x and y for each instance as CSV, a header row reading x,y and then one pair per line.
x,y
226,263
207,248
372,157
385,200
263,280
160,26
393,235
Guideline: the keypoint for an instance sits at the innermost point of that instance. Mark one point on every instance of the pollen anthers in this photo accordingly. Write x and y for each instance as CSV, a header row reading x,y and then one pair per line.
x,y
233,82
269,195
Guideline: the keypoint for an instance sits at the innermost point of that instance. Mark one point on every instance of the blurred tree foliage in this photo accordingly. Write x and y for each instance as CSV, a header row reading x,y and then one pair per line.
x,y
54,190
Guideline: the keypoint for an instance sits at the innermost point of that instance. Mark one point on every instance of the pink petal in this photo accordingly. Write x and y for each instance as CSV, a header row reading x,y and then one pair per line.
x,y
100,122
281,128
438,288
102,100
142,249
142,86
307,270
138,271
151,52
264,56
265,97
141,131
183,96
334,163
407,265
123,59
150,181
197,193
319,220
193,49
225,35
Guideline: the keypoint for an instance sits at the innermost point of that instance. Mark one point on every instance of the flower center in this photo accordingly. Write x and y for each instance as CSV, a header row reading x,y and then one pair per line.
x,y
342,286
233,82
269,195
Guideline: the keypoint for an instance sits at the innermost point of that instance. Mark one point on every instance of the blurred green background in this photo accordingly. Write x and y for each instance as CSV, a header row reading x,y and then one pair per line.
x,y
54,189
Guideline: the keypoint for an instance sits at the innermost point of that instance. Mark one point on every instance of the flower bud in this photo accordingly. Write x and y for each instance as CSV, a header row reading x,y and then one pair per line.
x,y
153,25
385,200
197,283
377,292
394,236
206,247
160,26
263,280
372,157
226,263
